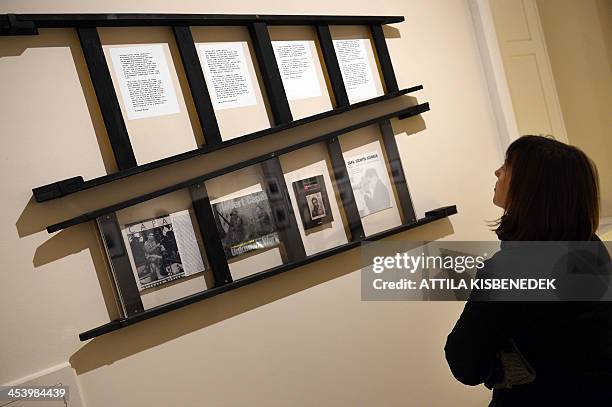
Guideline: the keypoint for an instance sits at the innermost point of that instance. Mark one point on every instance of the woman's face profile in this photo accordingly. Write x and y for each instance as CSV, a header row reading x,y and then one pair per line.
x,y
501,186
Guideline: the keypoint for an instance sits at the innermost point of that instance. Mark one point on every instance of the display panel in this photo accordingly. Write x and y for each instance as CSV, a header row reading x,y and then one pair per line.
x,y
232,77
162,249
357,61
152,91
248,224
299,60
371,180
309,174
156,252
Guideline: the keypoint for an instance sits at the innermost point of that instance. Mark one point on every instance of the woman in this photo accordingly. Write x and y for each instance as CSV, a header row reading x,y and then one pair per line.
x,y
539,353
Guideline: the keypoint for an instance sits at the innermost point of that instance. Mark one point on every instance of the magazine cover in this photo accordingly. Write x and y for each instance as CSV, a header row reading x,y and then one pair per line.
x,y
163,249
312,199
370,182
245,224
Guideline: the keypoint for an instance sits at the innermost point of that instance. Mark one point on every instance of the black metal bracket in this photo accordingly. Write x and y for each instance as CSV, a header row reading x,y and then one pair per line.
x,y
109,228
384,59
10,24
443,211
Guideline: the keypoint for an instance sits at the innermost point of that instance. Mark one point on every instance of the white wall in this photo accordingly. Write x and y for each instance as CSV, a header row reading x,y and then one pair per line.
x,y
303,338
579,41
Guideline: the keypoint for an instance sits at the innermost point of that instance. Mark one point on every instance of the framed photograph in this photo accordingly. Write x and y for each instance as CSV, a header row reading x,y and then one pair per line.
x,y
313,201
162,249
245,224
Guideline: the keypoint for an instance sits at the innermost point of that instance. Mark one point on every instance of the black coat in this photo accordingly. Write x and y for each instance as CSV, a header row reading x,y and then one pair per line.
x,y
569,344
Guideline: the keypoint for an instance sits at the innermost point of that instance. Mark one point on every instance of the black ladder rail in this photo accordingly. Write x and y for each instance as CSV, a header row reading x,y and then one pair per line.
x,y
75,184
27,24
430,216
403,113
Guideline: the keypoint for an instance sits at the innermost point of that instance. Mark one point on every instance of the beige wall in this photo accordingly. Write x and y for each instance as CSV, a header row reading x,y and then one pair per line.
x,y
303,338
578,36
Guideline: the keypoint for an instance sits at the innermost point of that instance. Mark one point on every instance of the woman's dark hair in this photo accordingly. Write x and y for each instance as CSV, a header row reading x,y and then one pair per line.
x,y
553,192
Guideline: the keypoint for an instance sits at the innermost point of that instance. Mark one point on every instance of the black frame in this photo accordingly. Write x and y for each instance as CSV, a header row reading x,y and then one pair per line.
x,y
86,27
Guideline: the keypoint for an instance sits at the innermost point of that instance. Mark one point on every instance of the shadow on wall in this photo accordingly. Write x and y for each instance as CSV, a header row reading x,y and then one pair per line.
x,y
65,37
117,345
65,243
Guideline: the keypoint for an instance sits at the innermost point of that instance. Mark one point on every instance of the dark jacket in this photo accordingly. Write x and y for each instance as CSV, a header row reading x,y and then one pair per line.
x,y
569,345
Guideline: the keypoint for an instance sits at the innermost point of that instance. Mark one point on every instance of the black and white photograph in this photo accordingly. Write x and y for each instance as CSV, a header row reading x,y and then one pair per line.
x,y
313,201
370,182
315,205
245,224
155,247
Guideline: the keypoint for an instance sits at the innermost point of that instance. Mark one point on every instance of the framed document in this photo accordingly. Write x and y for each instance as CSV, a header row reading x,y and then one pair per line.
x,y
162,249
313,201
245,224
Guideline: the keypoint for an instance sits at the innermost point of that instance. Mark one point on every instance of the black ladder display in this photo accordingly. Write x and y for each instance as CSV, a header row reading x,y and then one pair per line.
x,y
269,164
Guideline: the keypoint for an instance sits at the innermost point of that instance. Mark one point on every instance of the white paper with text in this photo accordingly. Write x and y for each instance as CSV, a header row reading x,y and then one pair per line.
x,y
144,81
297,69
355,68
227,74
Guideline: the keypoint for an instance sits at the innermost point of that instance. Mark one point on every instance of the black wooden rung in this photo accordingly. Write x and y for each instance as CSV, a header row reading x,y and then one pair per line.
x,y
282,210
107,98
122,267
397,171
277,98
197,84
332,66
210,234
345,190
384,59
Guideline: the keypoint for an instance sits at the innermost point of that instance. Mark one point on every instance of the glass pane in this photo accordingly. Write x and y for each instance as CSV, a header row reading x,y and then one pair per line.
x,y
156,252
371,179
